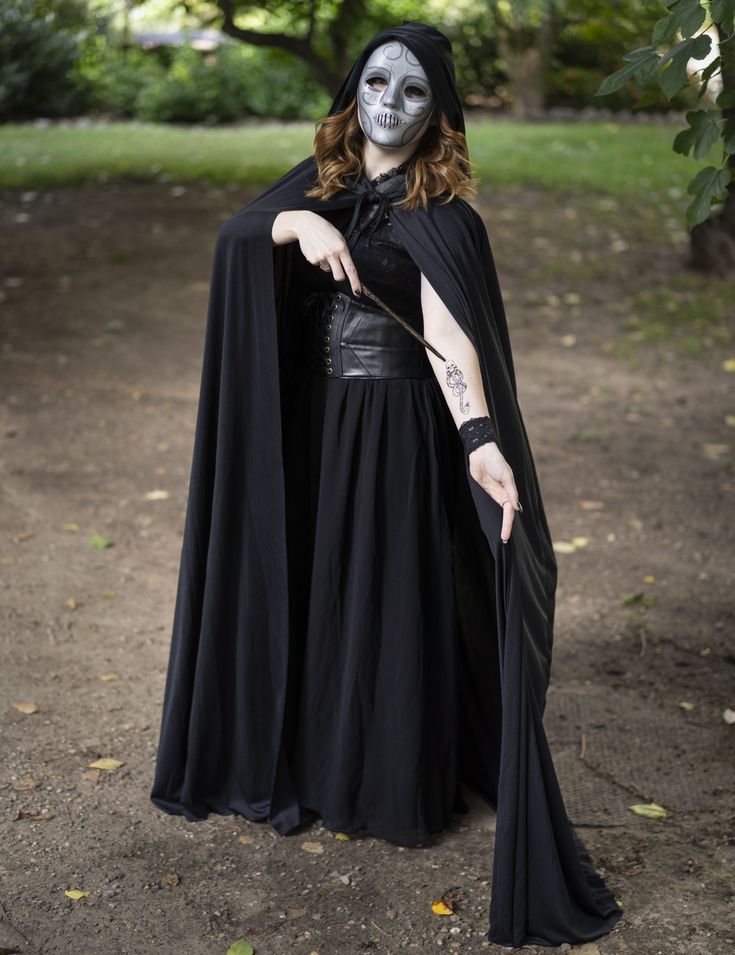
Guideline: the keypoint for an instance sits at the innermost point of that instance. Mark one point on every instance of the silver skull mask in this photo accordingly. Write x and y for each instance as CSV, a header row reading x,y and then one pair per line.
x,y
394,98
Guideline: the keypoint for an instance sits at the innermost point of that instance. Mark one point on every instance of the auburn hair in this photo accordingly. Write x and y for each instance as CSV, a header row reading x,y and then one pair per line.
x,y
440,163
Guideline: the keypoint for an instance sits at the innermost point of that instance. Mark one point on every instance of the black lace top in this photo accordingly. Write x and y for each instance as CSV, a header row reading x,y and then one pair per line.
x,y
379,256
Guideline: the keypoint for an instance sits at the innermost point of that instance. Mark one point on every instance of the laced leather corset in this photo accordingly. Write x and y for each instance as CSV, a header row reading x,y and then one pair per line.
x,y
350,336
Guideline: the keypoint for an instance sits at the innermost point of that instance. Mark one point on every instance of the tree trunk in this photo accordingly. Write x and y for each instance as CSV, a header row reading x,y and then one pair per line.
x,y
525,52
712,246
328,70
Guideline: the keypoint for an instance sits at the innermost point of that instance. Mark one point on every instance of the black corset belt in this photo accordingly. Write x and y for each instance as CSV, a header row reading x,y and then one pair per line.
x,y
351,339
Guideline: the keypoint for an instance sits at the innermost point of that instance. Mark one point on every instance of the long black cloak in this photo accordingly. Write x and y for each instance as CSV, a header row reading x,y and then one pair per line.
x,y
222,733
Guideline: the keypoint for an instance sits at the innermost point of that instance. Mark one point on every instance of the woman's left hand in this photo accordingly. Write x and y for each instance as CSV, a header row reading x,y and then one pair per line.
x,y
493,473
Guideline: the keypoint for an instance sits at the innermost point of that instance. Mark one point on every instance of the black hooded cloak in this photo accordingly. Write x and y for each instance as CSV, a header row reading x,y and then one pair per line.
x,y
222,733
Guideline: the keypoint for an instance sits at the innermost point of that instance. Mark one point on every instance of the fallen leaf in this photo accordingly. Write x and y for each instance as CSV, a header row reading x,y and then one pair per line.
x,y
713,452
729,364
316,847
728,716
109,594
564,547
241,947
71,603
30,814
109,677
686,705
157,495
171,878
592,505
650,810
106,762
448,902
27,782
71,526
730,420
26,707
580,541
245,840
441,908
24,536
649,579
639,598
75,893
341,837
99,542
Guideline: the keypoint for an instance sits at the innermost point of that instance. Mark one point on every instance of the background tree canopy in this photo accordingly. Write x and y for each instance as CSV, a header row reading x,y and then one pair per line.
x,y
285,60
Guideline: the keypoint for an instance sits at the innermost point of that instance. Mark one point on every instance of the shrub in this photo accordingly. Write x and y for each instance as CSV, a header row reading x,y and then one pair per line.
x,y
40,42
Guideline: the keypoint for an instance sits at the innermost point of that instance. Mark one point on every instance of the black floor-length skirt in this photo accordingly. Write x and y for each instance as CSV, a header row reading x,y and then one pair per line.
x,y
372,705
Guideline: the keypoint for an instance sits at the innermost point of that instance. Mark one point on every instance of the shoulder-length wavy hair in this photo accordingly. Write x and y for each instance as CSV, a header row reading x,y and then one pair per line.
x,y
439,165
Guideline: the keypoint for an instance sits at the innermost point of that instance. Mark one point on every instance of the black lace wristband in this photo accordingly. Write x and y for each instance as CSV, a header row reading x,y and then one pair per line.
x,y
477,431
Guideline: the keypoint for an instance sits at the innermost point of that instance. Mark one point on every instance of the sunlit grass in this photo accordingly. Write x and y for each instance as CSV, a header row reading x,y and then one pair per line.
x,y
609,157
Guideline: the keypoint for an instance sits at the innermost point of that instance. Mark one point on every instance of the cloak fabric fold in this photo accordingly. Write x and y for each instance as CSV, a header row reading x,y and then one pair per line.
x,y
222,732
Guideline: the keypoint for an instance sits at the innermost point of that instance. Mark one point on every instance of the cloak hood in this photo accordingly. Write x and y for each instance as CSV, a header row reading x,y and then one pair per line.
x,y
225,707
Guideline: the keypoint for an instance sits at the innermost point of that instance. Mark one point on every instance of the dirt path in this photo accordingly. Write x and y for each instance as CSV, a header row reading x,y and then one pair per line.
x,y
104,296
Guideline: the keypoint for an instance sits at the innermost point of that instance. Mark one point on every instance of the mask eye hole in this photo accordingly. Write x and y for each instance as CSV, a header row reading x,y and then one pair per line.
x,y
377,83
415,92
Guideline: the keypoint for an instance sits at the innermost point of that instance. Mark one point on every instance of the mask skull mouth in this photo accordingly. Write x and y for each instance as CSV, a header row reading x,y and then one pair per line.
x,y
388,120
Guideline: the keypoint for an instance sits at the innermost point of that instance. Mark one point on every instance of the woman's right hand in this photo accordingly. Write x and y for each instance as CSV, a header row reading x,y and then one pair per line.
x,y
321,243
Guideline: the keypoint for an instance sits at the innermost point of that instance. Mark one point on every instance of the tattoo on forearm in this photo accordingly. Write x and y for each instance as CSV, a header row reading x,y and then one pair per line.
x,y
456,383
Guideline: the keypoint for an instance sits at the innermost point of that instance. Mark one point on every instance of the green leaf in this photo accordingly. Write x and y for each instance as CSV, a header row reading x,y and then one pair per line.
x,y
675,76
723,12
703,133
638,53
706,75
709,185
648,99
99,542
728,135
241,947
645,58
685,15
726,99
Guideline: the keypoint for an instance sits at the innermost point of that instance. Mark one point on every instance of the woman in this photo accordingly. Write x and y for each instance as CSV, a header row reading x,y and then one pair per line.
x,y
364,618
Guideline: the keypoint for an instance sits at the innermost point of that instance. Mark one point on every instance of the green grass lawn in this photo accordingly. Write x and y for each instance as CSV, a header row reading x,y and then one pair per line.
x,y
614,158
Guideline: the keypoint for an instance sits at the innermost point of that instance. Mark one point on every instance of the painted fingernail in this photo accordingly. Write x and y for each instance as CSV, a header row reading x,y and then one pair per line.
x,y
520,506
505,542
